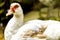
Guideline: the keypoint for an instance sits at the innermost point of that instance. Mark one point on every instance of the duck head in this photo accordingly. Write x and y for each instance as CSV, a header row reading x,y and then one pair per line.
x,y
15,9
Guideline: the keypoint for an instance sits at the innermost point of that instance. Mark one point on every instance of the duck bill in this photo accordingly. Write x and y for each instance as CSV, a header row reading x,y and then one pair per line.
x,y
9,13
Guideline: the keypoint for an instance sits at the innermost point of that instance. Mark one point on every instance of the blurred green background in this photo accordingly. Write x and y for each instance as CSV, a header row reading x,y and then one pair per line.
x,y
33,9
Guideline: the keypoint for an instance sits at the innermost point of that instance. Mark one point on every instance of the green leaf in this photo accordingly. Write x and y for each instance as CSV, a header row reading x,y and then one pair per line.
x,y
1,11
1,4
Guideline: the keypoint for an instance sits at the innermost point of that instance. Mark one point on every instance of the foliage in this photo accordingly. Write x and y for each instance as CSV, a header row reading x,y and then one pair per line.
x,y
1,4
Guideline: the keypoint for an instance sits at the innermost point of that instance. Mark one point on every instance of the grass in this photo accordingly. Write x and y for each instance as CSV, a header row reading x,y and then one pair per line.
x,y
31,16
1,33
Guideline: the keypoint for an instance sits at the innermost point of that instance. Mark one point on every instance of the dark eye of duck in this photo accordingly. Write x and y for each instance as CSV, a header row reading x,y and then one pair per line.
x,y
16,6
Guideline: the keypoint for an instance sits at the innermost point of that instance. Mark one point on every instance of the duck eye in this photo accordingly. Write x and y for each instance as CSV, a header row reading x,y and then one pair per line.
x,y
16,6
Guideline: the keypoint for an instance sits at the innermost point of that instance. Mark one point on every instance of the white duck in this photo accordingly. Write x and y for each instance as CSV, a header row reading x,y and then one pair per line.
x,y
32,30
17,21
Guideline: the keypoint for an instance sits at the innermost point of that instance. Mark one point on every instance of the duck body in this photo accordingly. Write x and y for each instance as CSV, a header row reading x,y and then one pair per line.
x,y
27,30
52,31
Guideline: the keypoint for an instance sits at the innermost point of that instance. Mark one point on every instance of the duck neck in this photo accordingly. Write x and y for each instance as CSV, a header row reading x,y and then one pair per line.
x,y
18,19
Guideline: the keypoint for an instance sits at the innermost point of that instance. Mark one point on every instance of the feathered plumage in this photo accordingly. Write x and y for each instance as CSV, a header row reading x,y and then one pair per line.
x,y
31,30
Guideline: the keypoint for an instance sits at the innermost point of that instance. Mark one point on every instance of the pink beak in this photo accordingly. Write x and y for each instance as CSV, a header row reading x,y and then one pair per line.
x,y
9,13
12,10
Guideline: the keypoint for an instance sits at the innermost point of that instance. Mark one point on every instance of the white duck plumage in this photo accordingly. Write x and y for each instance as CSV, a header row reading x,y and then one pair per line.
x,y
27,30
51,32
15,31
15,22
